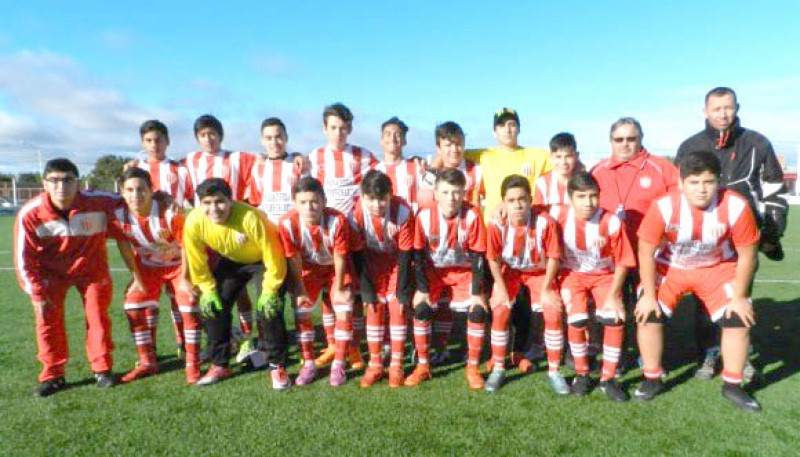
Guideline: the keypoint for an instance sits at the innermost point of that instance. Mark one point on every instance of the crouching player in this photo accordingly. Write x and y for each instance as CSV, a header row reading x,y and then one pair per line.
x,y
700,239
382,243
316,241
524,250
597,255
449,247
247,244
156,233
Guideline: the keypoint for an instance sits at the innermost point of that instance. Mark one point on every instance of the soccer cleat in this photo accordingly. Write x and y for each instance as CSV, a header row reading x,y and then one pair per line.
x,y
50,387
581,385
536,352
739,397
421,373
648,390
495,380
246,348
326,357
396,377
613,391
307,374
354,357
214,375
708,367
440,357
558,383
523,364
371,376
192,374
338,376
474,377
141,371
280,380
104,380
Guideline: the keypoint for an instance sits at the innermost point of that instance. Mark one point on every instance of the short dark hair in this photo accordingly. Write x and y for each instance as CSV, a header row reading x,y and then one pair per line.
x,y
719,92
337,110
271,121
563,140
308,184
626,121
451,176
395,121
581,181
376,184
697,162
136,173
214,186
448,131
504,115
61,165
514,181
208,121
154,125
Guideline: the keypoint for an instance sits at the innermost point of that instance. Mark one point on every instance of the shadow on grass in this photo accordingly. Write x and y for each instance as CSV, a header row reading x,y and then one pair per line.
x,y
776,340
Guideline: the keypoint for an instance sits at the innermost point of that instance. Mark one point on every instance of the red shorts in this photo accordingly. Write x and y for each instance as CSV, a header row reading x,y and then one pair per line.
x,y
515,279
712,285
318,279
575,290
153,280
452,283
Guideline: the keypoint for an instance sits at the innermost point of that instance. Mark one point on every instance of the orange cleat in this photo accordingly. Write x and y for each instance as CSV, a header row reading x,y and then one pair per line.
x,y
141,371
396,377
474,377
371,376
354,357
421,373
192,374
326,357
524,365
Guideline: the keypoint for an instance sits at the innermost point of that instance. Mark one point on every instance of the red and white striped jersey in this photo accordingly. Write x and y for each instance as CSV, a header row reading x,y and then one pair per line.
x,y
547,191
385,234
593,246
316,244
690,237
406,177
525,247
448,241
233,167
340,173
48,245
270,186
171,177
472,171
156,238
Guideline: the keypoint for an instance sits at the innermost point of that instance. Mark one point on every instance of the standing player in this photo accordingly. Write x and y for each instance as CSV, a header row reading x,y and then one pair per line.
x,y
700,239
597,255
316,241
449,245
60,242
404,174
247,243
340,167
156,232
551,187
524,250
382,244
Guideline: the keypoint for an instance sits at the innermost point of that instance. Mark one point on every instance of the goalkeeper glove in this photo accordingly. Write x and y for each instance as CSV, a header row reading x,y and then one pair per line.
x,y
268,305
210,304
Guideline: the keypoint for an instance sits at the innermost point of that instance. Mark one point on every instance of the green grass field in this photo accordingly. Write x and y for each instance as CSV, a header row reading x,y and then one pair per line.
x,y
163,416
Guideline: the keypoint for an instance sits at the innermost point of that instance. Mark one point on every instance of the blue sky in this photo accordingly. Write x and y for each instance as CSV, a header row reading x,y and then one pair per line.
x,y
77,78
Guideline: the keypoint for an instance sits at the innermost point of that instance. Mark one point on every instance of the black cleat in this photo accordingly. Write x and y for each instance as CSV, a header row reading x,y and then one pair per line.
x,y
739,397
580,385
648,390
613,391
104,380
50,387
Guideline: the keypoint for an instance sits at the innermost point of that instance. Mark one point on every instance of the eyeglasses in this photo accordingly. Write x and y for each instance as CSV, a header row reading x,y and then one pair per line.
x,y
67,180
626,139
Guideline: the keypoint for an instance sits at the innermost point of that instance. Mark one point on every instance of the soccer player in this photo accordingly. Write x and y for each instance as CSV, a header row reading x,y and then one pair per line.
x,y
700,239
340,167
156,232
450,142
171,177
246,244
382,244
597,255
316,241
60,242
524,250
551,187
405,174
449,245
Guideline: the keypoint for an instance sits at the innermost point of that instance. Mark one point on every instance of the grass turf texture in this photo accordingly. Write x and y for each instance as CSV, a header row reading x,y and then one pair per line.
x,y
161,415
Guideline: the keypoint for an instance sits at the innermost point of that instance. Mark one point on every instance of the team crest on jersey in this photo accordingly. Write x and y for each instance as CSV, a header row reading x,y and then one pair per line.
x,y
172,179
645,182
526,170
719,230
600,243
672,228
86,225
